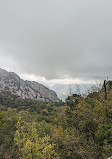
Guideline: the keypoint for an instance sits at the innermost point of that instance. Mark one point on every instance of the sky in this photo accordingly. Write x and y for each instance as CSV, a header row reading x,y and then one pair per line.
x,y
57,41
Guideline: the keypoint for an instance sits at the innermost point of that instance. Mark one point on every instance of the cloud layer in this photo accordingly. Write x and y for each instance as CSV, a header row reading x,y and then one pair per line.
x,y
57,38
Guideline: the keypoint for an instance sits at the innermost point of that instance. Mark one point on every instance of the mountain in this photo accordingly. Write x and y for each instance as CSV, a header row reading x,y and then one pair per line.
x,y
64,90
11,82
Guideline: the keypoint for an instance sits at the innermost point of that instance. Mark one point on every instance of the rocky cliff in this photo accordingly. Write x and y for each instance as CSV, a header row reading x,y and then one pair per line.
x,y
11,82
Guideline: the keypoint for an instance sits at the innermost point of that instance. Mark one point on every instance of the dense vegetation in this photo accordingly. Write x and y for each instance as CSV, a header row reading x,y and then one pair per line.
x,y
81,128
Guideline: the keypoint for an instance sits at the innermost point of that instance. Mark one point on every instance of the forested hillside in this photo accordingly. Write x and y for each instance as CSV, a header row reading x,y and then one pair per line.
x,y
80,128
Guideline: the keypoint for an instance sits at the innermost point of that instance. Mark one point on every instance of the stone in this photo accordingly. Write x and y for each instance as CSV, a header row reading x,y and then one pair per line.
x,y
11,82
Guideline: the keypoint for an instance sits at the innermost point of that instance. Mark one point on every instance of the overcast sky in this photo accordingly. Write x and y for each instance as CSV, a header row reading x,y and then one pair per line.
x,y
57,40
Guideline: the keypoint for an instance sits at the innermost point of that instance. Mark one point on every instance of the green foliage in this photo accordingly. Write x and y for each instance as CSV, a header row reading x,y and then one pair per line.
x,y
7,130
81,128
104,138
30,145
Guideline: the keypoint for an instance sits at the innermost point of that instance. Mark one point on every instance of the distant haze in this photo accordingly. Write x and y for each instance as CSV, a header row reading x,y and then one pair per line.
x,y
55,41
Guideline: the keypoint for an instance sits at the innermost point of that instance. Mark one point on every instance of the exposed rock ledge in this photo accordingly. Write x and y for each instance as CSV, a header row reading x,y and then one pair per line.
x,y
11,82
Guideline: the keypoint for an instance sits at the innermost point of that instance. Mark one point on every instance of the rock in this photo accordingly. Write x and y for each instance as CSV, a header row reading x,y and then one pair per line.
x,y
11,82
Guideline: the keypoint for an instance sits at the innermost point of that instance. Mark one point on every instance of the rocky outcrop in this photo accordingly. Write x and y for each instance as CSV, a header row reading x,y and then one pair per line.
x,y
11,82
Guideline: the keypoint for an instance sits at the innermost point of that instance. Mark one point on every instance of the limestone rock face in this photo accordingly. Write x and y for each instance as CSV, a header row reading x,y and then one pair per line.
x,y
11,82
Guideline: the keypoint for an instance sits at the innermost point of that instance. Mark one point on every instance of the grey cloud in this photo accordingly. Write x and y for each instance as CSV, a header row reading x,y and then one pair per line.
x,y
55,38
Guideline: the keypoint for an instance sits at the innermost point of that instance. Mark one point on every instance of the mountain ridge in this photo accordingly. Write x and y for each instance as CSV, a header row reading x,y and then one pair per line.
x,y
11,82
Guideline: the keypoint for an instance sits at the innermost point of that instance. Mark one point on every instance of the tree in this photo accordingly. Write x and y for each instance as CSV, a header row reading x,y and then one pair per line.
x,y
30,145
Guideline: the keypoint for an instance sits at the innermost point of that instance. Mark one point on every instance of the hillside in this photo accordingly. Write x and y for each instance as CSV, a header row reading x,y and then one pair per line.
x,y
80,128
11,82
63,90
